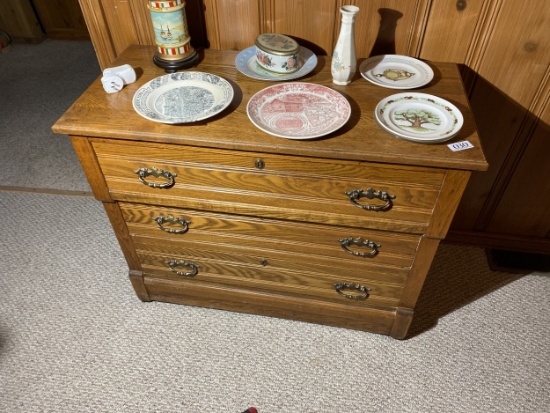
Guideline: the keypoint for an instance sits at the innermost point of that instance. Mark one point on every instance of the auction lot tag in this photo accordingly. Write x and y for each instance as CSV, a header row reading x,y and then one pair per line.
x,y
460,146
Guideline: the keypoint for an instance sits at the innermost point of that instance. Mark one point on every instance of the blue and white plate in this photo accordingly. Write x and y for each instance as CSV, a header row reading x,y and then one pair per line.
x,y
183,97
246,64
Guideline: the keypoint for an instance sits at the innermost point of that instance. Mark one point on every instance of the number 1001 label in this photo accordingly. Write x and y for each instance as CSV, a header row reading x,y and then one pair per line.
x,y
460,146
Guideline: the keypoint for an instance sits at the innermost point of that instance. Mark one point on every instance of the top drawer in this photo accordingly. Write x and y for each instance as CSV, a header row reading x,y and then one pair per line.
x,y
335,192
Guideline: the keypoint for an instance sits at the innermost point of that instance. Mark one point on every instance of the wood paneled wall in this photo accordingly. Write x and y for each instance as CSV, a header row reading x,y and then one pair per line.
x,y
19,21
61,19
234,24
501,45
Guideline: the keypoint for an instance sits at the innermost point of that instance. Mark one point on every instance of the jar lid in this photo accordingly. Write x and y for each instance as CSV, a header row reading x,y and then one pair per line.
x,y
277,44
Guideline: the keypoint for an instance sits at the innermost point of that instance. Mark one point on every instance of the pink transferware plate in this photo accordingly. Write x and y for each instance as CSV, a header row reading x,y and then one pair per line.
x,y
298,110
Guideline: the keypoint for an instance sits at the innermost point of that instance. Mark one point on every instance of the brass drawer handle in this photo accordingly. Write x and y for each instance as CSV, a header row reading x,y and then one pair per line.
x,y
143,173
370,193
172,264
160,220
360,292
360,242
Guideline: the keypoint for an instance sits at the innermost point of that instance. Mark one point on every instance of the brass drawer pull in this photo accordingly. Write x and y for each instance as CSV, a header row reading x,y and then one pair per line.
x,y
360,242
172,264
160,220
143,173
370,193
360,292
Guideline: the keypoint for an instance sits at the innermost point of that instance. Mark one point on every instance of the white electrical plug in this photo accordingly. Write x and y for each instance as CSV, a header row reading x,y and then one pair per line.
x,y
112,83
115,78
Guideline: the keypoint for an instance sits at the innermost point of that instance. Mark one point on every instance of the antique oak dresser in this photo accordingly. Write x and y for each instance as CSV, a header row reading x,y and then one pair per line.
x,y
339,230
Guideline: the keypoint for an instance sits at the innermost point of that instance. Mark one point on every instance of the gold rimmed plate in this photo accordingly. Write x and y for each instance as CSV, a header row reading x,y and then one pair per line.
x,y
396,71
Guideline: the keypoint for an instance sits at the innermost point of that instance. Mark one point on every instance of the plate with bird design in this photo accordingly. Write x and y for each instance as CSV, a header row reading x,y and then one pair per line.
x,y
396,71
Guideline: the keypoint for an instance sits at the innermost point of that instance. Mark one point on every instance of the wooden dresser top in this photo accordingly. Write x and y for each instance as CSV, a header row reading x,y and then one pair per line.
x,y
99,114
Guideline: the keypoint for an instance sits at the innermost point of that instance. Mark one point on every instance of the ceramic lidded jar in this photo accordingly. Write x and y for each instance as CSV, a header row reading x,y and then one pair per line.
x,y
277,52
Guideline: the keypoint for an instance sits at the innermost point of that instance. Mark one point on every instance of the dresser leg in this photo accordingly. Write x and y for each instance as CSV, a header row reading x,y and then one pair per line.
x,y
403,319
136,277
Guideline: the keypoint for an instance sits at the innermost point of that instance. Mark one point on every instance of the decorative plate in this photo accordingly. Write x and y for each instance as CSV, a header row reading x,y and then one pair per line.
x,y
396,72
246,64
298,110
419,117
183,97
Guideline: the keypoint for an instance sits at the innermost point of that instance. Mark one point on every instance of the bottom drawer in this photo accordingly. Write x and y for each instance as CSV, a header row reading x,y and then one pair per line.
x,y
229,273
374,320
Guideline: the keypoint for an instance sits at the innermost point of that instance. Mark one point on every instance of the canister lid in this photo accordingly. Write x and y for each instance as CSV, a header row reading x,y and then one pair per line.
x,y
277,44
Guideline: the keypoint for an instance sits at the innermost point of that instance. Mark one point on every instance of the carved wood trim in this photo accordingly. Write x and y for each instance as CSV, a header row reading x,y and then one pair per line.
x,y
483,30
420,21
142,20
447,203
123,235
86,155
266,16
498,241
118,14
402,322
542,99
212,23
424,254
99,31
137,279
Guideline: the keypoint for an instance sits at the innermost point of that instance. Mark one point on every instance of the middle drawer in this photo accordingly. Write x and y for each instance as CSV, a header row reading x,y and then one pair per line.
x,y
277,244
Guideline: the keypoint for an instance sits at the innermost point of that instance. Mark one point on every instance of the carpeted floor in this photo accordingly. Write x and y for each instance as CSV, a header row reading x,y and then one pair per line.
x,y
38,83
74,337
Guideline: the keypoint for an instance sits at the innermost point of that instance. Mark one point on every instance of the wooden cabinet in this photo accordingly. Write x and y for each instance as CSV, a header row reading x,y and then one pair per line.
x,y
19,21
245,221
35,20
502,46
61,19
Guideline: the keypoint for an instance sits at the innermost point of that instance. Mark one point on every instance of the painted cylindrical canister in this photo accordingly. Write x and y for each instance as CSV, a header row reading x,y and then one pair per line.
x,y
171,31
277,53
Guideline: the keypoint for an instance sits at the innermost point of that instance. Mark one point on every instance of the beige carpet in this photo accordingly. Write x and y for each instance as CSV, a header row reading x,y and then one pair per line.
x,y
74,337
38,83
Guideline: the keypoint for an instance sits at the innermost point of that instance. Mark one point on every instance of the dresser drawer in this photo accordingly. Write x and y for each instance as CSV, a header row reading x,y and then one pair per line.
x,y
347,193
343,313
268,255
234,272
320,245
